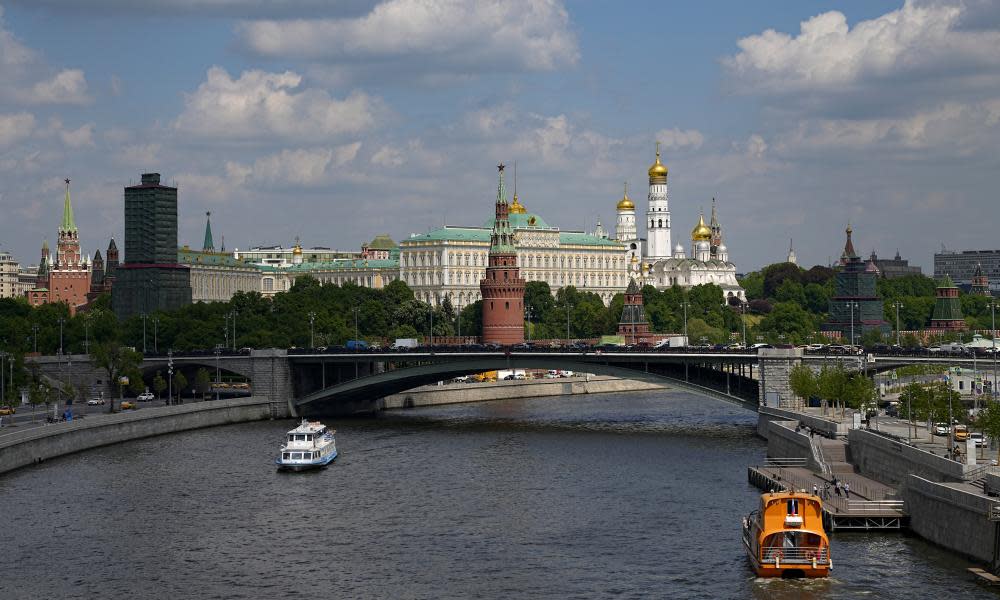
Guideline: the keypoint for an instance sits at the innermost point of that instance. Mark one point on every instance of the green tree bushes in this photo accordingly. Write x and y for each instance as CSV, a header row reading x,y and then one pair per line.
x,y
180,384
159,384
117,361
804,382
202,381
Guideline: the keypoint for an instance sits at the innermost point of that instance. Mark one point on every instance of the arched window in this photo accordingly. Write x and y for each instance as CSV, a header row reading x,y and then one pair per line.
x,y
660,222
506,305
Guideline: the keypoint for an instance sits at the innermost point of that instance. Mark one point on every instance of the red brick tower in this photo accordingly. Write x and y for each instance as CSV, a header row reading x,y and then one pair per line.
x,y
503,288
633,325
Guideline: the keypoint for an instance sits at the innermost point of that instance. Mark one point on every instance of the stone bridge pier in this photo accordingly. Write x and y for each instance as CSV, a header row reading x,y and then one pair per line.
x,y
774,367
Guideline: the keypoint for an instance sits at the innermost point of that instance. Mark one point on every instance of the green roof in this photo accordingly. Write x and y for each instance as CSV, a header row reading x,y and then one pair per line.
x,y
577,238
446,233
382,242
67,220
186,256
522,221
482,235
344,263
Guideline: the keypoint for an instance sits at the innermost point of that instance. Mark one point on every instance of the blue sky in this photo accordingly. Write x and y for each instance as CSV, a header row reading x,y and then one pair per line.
x,y
339,121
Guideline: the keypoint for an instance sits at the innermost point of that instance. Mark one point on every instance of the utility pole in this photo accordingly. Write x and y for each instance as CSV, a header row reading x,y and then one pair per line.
x,y
156,323
34,330
143,316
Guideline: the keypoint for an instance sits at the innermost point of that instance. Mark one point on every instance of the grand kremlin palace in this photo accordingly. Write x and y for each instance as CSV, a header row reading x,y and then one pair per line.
x,y
451,261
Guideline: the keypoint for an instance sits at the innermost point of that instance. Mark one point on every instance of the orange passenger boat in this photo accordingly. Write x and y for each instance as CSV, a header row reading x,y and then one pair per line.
x,y
785,537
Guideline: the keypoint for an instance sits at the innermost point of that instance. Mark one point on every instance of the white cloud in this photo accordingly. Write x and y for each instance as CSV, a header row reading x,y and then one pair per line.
x,y
69,86
676,138
15,127
420,36
25,75
143,155
906,60
413,152
302,166
264,105
78,138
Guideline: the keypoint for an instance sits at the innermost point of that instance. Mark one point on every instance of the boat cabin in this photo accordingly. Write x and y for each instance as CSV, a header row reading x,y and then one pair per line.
x,y
787,533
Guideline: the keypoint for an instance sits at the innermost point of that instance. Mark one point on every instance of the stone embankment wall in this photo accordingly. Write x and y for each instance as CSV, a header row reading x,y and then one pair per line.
x,y
455,393
42,443
893,462
951,517
784,442
826,427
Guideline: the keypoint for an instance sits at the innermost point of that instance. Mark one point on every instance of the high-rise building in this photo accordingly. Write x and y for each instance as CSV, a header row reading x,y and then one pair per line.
x,y
855,307
8,275
150,278
502,288
961,266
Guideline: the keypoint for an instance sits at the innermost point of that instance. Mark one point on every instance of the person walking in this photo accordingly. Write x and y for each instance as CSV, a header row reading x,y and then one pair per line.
x,y
836,487
826,491
815,490
847,489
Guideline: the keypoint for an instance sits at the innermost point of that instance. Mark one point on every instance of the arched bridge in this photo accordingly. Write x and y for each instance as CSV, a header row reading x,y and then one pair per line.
x,y
721,376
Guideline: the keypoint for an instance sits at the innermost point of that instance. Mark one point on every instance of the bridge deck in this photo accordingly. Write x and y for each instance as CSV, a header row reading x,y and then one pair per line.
x,y
872,505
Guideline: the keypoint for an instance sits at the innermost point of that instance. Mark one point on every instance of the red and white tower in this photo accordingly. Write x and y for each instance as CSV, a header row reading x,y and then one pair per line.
x,y
503,288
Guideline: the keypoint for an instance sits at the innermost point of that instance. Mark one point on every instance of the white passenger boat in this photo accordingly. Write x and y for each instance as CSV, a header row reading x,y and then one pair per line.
x,y
309,446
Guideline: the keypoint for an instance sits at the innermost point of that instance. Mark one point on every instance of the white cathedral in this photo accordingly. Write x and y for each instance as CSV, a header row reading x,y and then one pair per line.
x,y
657,264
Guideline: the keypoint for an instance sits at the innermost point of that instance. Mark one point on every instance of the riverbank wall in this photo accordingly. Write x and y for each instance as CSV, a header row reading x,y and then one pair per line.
x,y
952,517
37,444
458,393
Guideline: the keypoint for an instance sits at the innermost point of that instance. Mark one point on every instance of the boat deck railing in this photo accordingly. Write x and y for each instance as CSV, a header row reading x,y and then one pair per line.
x,y
796,554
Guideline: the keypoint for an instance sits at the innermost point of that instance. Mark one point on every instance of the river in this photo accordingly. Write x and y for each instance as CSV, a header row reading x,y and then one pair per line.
x,y
612,495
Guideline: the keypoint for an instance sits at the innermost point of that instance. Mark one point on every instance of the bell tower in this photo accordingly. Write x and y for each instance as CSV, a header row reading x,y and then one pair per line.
x,y
503,287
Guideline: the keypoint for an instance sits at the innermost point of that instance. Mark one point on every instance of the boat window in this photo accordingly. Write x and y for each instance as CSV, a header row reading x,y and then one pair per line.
x,y
296,455
793,507
309,438
286,455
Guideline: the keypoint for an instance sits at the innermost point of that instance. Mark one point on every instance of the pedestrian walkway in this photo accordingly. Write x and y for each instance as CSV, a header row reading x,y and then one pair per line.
x,y
870,505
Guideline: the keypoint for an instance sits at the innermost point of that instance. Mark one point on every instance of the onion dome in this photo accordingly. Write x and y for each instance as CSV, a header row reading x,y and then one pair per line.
x,y
516,208
679,249
701,232
625,203
658,172
297,250
635,259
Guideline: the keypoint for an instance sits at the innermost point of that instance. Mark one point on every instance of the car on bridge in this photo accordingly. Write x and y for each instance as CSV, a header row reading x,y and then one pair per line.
x,y
941,429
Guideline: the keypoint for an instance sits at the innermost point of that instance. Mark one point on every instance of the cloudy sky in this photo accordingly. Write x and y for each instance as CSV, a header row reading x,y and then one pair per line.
x,y
335,121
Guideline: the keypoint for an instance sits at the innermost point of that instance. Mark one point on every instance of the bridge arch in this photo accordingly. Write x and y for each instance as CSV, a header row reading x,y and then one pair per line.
x,y
357,391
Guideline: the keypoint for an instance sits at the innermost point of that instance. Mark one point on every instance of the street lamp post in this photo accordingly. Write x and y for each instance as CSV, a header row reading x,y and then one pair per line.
x,y
898,306
225,330
86,333
852,305
527,318
431,336
156,324
743,320
143,316
233,314
685,306
567,320
993,313
312,331
34,331
62,322
170,377
218,351
357,347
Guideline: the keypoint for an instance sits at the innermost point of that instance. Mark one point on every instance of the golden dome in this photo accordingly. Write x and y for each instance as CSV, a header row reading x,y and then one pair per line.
x,y
635,259
701,232
658,172
625,203
297,250
516,208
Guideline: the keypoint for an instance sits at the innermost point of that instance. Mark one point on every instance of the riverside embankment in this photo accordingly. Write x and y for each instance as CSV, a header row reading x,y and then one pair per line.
x,y
457,393
37,444
946,500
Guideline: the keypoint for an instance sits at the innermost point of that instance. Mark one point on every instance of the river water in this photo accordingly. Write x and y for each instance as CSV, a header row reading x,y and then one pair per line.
x,y
612,495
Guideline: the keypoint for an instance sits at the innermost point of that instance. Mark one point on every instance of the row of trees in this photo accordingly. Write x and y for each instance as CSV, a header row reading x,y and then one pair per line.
x,y
835,386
